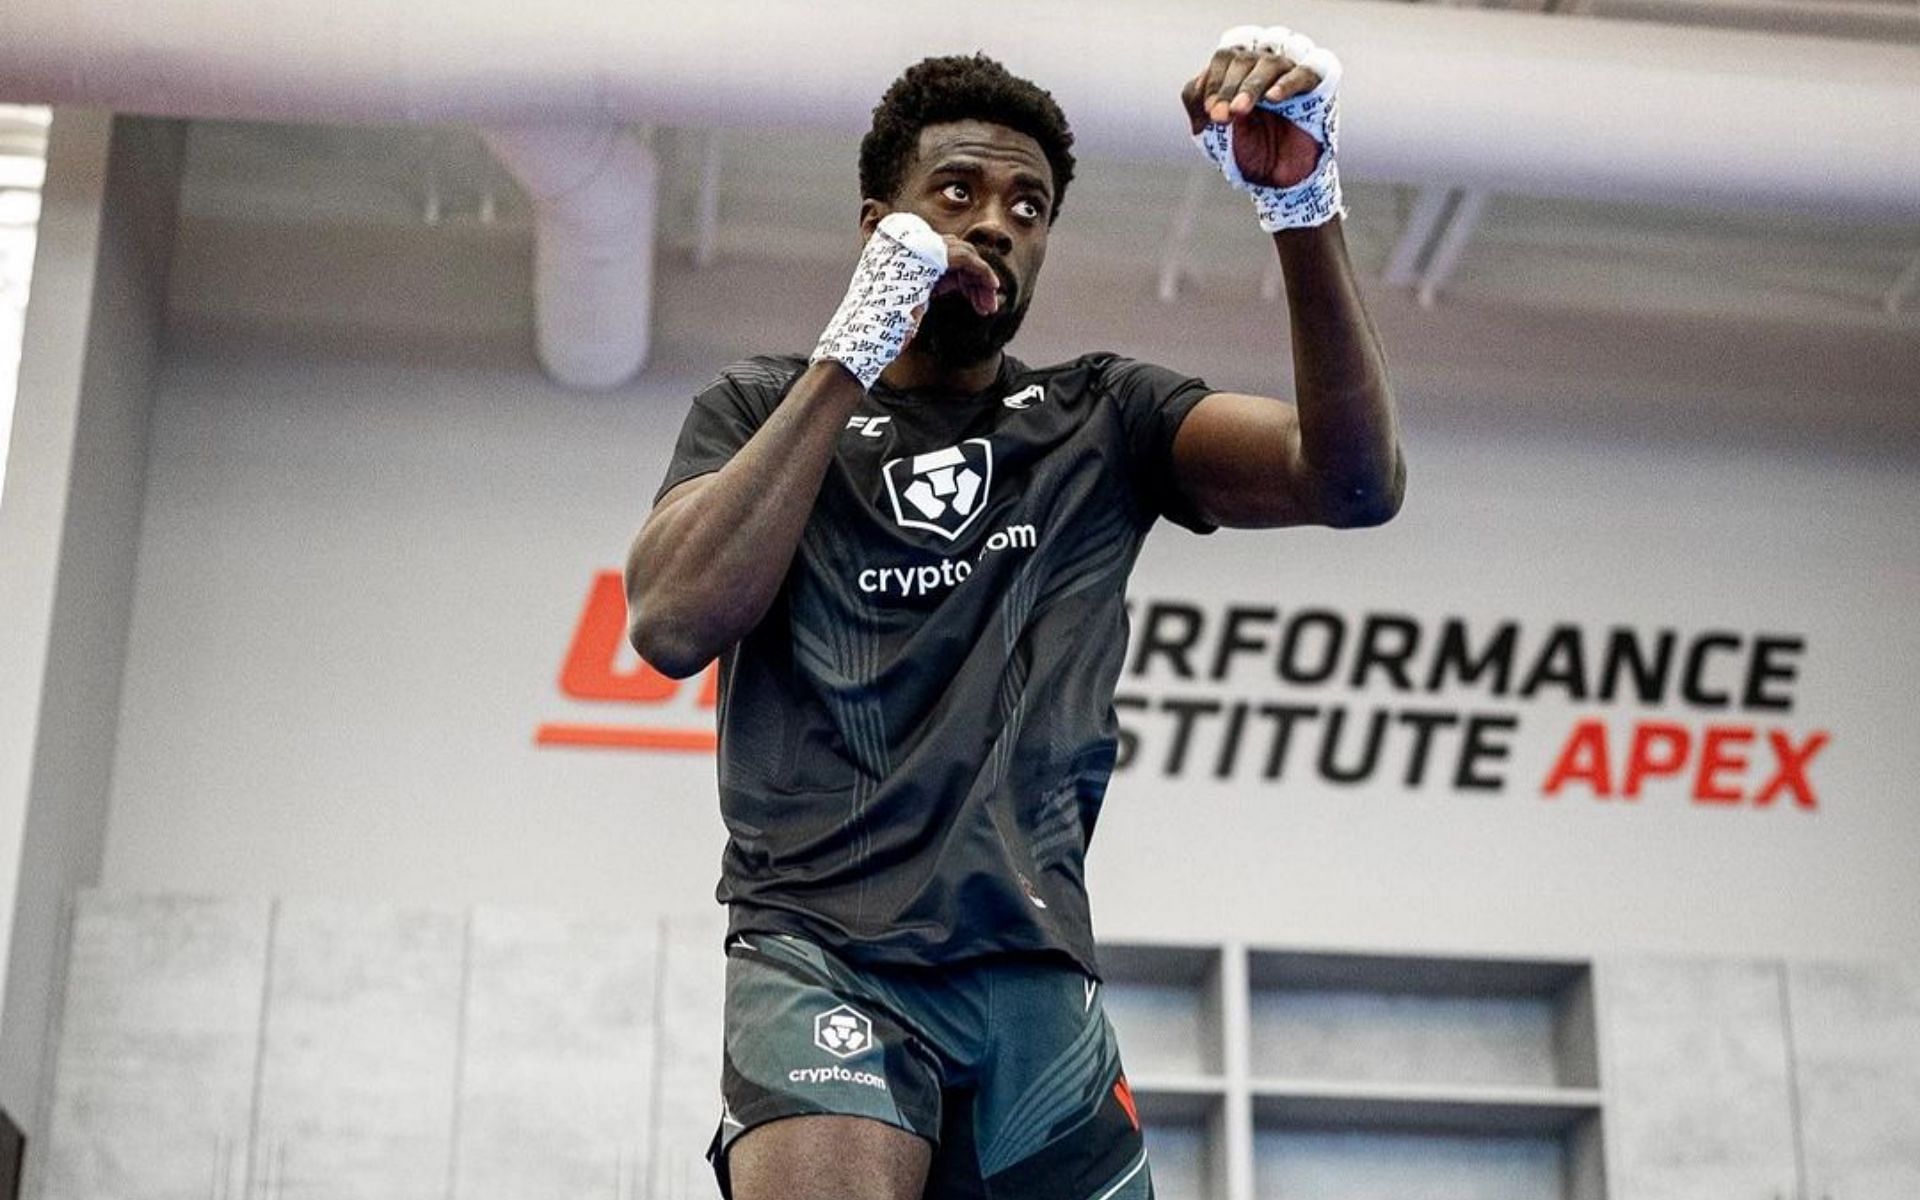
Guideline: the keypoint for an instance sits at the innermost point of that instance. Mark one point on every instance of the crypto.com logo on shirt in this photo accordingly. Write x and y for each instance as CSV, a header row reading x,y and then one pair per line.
x,y
941,491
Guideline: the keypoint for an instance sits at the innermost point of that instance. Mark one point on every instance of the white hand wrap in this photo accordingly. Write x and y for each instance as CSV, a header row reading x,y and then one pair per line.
x,y
898,268
1316,199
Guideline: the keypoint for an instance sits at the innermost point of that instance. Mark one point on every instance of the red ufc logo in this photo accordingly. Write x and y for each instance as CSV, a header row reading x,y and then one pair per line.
x,y
601,666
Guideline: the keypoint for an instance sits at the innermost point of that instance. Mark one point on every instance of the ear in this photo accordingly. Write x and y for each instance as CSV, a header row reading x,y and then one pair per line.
x,y
870,213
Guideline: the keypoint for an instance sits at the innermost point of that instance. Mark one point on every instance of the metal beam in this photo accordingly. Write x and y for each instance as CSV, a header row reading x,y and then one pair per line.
x,y
1904,288
1451,246
1430,210
1173,256
706,212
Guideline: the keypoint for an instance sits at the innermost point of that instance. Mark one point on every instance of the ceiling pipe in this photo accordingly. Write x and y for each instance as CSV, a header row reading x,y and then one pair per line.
x,y
1511,102
595,193
1439,96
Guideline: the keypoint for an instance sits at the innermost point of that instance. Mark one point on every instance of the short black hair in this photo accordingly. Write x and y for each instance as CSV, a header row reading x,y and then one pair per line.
x,y
959,88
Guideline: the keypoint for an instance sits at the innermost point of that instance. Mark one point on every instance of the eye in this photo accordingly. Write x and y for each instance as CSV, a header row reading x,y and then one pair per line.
x,y
1028,210
956,192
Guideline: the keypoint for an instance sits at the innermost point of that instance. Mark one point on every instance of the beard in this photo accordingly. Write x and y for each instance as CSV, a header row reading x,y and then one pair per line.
x,y
954,335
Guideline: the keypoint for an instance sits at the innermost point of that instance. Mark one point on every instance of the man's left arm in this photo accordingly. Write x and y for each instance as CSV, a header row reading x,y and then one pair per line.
x,y
1333,457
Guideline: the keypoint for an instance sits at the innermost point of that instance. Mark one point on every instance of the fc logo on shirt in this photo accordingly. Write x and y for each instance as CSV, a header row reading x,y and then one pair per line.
x,y
942,491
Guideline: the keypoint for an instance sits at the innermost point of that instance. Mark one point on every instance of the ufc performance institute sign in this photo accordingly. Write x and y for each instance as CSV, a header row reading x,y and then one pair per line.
x,y
1393,701
1385,701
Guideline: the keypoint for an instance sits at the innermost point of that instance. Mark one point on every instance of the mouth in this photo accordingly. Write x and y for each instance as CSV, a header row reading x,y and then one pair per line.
x,y
1008,290
956,299
1002,304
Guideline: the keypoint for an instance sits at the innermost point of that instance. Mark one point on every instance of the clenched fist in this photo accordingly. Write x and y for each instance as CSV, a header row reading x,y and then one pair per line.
x,y
1263,109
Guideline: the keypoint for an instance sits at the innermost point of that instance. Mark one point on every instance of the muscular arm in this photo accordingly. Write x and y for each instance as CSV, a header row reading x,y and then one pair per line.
x,y
708,562
706,565
1333,458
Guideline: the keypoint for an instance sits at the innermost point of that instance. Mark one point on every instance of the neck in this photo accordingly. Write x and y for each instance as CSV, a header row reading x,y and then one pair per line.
x,y
915,371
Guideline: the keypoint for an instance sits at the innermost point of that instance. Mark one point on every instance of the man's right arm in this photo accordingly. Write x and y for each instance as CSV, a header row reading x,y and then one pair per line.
x,y
706,565
709,560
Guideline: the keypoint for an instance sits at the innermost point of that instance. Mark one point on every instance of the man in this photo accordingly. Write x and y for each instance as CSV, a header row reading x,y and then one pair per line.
x,y
910,553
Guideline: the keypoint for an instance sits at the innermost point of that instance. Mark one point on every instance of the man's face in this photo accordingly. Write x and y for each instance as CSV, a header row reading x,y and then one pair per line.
x,y
992,188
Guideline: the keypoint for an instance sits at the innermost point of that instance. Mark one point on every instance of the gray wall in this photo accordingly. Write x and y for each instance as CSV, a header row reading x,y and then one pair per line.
x,y
359,581
369,528
69,535
372,527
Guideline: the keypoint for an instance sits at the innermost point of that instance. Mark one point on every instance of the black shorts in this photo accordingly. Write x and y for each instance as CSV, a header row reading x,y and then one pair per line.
x,y
1008,1067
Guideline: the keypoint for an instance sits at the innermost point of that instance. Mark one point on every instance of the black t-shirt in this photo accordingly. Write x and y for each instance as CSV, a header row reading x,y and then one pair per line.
x,y
916,739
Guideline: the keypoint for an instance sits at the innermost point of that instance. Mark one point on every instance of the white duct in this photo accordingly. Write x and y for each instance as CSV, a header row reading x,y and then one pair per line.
x,y
1508,102
594,190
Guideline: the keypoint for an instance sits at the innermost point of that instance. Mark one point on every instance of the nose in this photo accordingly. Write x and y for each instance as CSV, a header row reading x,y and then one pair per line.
x,y
990,233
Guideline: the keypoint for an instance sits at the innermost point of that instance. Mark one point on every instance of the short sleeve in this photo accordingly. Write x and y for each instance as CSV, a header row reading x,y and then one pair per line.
x,y
724,415
1153,401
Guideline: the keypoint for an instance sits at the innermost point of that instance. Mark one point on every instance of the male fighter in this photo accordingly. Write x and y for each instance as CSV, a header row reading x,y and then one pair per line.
x,y
909,551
